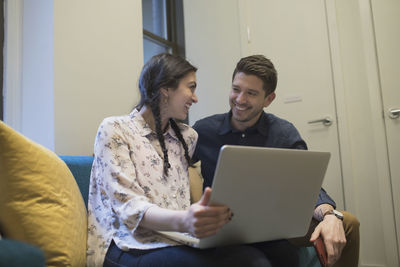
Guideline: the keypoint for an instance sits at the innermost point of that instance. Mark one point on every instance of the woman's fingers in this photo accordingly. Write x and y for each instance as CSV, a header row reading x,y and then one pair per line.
x,y
212,211
208,223
205,198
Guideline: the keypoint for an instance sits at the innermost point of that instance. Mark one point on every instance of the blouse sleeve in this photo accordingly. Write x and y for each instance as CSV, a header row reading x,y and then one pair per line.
x,y
116,176
191,140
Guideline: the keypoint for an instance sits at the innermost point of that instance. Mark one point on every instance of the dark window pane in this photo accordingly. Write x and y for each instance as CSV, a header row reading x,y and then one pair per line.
x,y
154,17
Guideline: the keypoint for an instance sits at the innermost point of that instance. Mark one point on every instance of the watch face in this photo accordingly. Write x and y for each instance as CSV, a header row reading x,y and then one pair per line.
x,y
338,214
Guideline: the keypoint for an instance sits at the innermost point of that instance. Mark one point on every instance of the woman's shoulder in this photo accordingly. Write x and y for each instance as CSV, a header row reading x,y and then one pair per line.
x,y
115,121
125,125
120,119
187,131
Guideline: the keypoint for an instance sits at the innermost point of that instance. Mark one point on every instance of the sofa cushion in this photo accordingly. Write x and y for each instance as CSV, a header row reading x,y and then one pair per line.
x,y
20,254
80,167
40,202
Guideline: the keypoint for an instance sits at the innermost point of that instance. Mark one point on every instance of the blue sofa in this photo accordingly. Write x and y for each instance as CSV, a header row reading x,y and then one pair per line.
x,y
18,254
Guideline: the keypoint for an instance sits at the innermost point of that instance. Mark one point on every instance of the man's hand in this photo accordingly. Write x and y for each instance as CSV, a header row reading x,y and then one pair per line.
x,y
202,220
332,232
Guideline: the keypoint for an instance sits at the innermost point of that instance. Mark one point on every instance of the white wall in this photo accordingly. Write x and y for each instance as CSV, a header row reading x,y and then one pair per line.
x,y
28,69
13,63
214,47
37,68
98,54
69,64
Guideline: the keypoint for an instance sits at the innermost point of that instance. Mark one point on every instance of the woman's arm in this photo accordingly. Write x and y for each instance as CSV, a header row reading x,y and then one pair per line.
x,y
200,220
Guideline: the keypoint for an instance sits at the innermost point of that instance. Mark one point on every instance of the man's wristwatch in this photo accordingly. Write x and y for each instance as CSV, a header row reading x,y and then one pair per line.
x,y
338,214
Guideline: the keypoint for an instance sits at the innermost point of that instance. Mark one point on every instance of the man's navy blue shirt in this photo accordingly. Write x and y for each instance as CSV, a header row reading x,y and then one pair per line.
x,y
270,131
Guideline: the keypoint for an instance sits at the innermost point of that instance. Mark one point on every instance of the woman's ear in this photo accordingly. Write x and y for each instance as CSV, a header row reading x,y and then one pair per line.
x,y
164,92
164,95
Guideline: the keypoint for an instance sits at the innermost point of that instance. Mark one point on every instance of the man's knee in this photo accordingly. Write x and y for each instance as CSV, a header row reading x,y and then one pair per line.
x,y
350,223
351,251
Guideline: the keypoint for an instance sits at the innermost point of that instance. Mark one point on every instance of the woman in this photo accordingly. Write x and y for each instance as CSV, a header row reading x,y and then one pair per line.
x,y
139,181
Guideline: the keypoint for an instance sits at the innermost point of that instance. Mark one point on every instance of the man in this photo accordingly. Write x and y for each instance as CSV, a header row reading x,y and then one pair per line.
x,y
253,89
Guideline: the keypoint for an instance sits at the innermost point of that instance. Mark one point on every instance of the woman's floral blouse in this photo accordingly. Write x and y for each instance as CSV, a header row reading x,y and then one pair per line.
x,y
127,178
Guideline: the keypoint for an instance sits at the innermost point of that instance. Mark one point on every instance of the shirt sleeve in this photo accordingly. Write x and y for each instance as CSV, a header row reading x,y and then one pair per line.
x,y
192,142
324,198
299,143
116,176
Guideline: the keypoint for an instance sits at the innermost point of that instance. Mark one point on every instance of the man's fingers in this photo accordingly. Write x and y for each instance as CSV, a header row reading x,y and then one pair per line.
x,y
315,234
330,252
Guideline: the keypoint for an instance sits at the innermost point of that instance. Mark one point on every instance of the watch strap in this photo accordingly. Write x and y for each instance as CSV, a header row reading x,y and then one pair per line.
x,y
332,212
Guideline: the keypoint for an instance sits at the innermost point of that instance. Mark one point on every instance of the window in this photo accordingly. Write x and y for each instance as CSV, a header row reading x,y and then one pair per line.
x,y
163,27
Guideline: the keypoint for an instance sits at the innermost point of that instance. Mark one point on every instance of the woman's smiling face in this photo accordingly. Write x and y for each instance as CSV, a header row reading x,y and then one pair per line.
x,y
179,100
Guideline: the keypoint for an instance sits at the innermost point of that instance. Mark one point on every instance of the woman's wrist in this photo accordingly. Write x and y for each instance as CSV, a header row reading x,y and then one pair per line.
x,y
181,221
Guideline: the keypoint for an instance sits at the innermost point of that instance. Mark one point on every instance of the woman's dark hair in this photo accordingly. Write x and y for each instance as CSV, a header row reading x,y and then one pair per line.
x,y
261,67
163,71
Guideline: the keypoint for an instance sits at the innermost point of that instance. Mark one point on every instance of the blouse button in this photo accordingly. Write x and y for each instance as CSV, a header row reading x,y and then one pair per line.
x,y
243,135
174,196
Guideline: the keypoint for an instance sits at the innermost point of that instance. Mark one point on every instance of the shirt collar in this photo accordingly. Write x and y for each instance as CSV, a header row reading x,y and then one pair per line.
x,y
143,127
261,125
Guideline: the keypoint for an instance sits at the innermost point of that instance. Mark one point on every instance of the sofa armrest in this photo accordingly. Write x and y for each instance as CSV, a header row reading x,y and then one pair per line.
x,y
20,254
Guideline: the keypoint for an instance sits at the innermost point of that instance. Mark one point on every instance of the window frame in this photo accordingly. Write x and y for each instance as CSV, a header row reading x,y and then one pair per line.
x,y
175,29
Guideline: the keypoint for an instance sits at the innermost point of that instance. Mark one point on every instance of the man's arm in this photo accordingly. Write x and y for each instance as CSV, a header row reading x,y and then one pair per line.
x,y
331,230
322,209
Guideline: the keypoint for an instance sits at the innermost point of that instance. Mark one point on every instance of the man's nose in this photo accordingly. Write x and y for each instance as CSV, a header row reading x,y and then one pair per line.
x,y
241,98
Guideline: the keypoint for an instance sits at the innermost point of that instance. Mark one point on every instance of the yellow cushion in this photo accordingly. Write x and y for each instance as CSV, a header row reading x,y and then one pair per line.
x,y
40,202
196,182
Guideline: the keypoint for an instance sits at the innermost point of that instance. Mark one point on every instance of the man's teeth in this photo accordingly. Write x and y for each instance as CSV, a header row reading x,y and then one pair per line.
x,y
239,108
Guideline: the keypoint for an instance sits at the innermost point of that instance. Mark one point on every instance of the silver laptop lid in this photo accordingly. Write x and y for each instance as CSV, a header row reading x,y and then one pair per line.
x,y
272,192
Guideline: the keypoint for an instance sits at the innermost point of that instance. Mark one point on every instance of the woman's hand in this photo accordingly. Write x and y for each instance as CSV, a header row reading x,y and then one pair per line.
x,y
202,220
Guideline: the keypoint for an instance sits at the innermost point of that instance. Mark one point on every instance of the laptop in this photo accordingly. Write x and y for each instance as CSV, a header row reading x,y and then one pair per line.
x,y
272,193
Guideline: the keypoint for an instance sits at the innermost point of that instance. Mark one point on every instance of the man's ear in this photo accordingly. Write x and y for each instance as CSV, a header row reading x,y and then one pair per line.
x,y
268,100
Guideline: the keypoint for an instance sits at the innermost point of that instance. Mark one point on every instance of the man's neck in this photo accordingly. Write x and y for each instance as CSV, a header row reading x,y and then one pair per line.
x,y
244,125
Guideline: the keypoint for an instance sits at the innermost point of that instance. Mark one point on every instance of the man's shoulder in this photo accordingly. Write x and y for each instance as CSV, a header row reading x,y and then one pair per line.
x,y
282,132
274,120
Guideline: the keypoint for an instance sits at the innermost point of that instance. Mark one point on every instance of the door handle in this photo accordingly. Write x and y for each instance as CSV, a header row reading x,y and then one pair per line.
x,y
327,121
394,113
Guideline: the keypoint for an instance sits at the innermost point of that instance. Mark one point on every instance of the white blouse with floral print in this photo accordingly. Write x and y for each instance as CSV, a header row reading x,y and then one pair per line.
x,y
127,178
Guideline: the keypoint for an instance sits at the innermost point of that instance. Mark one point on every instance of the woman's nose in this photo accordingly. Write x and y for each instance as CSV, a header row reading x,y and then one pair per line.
x,y
194,98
